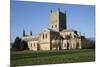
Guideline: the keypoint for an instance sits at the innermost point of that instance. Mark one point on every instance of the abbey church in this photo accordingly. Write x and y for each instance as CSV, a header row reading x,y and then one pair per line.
x,y
56,37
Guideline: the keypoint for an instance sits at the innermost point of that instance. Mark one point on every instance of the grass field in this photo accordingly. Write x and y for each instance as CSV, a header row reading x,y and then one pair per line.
x,y
51,57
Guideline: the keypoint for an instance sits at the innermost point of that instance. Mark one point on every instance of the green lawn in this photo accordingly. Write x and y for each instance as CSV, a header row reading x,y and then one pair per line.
x,y
51,57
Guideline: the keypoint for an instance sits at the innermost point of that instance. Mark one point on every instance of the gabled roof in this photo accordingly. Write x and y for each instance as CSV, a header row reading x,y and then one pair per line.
x,y
70,30
48,29
31,38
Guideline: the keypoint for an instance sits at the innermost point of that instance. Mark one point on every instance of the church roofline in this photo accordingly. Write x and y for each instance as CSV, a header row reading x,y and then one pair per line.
x,y
49,29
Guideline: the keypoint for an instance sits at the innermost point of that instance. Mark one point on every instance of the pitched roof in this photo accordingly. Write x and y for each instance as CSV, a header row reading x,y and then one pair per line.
x,y
31,38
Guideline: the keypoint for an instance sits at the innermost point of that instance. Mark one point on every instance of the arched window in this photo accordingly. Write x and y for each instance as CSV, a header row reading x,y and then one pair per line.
x,y
43,36
31,44
34,44
67,45
77,45
46,36
64,44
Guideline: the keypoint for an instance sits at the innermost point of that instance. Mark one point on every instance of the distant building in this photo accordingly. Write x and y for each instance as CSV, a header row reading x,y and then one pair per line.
x,y
57,37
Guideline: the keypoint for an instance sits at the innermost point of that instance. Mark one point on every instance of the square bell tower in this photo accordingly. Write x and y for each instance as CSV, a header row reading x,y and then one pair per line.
x,y
57,20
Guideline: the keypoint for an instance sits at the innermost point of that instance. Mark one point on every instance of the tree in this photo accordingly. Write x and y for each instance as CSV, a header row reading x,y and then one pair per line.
x,y
19,44
23,45
88,44
16,45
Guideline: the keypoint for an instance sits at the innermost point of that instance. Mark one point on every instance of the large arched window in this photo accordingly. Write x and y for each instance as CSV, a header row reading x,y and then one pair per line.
x,y
64,44
31,44
77,45
46,36
34,44
67,45
43,36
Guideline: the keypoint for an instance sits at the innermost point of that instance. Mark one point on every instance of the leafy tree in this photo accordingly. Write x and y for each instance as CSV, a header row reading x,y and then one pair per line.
x,y
19,44
88,44
16,45
23,45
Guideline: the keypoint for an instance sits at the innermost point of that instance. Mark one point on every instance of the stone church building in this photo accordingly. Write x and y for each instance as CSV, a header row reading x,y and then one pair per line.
x,y
56,37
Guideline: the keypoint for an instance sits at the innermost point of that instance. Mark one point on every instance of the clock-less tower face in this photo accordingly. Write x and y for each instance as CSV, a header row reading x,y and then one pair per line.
x,y
57,21
54,24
